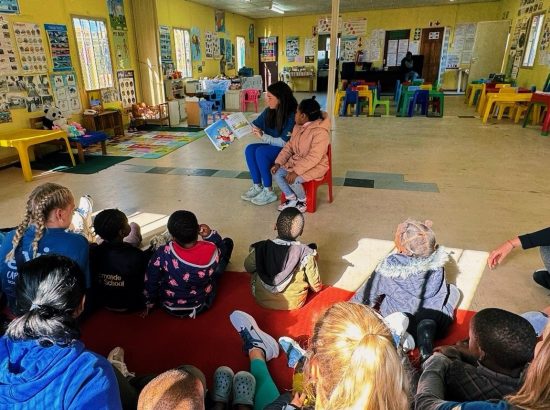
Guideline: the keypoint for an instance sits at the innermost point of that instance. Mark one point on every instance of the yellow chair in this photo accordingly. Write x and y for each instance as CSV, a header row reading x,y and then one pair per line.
x,y
366,95
426,87
339,98
501,107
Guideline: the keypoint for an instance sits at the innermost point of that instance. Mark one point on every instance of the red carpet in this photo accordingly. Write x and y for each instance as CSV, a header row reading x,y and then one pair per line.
x,y
159,342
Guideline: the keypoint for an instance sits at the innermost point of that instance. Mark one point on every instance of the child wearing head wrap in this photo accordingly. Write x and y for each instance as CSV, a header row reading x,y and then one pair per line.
x,y
413,281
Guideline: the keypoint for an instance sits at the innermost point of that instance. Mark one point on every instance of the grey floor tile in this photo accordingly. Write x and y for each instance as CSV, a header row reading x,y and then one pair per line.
x,y
160,170
361,183
226,173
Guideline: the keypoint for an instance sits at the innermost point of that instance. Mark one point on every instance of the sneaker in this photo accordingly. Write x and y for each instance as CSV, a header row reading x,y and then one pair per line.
x,y
407,342
294,352
116,357
542,277
252,336
289,203
244,386
223,383
301,206
82,218
252,192
265,197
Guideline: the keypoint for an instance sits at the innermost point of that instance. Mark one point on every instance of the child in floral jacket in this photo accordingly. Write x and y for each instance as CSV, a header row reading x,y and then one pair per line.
x,y
182,275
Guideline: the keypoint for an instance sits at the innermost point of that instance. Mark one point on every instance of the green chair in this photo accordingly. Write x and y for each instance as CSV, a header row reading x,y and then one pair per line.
x,y
376,102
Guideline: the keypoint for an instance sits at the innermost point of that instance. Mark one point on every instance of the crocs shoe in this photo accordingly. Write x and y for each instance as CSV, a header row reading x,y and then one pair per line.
x,y
265,197
252,192
223,383
244,386
294,352
116,357
289,203
252,336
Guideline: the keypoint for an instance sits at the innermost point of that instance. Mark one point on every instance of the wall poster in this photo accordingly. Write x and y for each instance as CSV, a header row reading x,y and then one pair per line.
x,y
196,54
65,90
122,51
28,38
292,48
219,21
59,46
8,58
116,14
165,44
9,7
29,92
127,87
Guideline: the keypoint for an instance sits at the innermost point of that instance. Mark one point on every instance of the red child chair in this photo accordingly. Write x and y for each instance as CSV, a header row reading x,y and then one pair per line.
x,y
311,186
250,95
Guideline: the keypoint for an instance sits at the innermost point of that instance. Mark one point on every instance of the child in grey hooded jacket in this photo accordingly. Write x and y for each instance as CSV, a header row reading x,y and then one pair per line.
x,y
413,281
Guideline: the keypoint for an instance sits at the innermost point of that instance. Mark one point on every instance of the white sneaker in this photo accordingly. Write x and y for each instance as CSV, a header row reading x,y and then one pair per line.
x,y
289,203
252,192
116,357
252,336
265,197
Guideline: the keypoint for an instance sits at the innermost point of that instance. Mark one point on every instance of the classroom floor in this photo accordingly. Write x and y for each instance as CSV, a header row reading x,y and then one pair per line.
x,y
479,184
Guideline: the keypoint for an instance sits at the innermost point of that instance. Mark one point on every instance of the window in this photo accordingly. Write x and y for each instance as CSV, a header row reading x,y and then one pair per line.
x,y
241,52
183,52
532,41
94,53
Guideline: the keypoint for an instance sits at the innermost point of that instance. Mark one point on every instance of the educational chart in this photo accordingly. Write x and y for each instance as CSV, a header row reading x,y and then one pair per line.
x,y
109,95
120,45
292,48
165,44
116,14
9,7
196,54
324,24
59,46
28,38
29,92
544,46
8,58
354,27
309,49
267,49
127,88
211,45
5,113
65,90
348,48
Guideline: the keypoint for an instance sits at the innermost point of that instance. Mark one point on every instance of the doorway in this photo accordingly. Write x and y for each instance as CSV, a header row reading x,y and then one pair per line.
x,y
323,58
430,48
268,56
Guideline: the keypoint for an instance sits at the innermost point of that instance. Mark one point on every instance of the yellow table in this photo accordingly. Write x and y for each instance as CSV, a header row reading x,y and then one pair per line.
x,y
502,97
22,139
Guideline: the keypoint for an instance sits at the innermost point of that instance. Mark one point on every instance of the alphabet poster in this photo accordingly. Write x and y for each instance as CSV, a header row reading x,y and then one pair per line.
x,y
8,58
127,88
292,48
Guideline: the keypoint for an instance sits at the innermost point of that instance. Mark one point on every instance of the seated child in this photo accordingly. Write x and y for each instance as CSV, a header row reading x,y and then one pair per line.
x,y
117,267
412,281
43,230
182,276
304,157
284,269
501,345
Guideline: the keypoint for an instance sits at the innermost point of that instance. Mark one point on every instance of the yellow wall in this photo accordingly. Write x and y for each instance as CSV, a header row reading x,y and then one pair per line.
x,y
389,19
60,12
186,14
538,73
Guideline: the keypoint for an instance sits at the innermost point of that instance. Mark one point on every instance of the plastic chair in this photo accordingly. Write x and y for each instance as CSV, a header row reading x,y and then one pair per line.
x,y
286,78
351,98
251,96
418,81
376,102
339,98
207,108
420,97
365,98
397,92
216,96
311,186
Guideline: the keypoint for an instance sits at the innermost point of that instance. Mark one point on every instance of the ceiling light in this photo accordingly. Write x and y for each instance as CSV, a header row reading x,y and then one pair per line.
x,y
277,9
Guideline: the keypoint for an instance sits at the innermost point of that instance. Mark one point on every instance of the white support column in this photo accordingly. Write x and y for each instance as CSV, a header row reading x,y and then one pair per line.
x,y
332,67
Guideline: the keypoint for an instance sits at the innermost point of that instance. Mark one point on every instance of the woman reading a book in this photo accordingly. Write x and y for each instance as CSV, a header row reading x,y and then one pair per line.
x,y
273,128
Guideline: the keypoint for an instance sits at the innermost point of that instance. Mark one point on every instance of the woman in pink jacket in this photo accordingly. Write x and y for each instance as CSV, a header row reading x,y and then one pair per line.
x,y
304,157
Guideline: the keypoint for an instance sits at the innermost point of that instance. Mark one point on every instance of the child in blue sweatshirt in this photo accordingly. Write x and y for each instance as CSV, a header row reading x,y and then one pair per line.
x,y
182,275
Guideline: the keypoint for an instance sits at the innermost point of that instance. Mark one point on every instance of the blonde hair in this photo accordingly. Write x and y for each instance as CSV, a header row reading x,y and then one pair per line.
x,y
415,238
535,392
357,364
42,200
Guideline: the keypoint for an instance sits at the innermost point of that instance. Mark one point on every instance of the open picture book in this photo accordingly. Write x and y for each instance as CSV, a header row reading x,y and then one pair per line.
x,y
223,132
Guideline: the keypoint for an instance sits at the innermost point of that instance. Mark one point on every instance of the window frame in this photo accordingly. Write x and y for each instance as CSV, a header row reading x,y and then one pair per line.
x,y
187,52
237,51
109,80
533,39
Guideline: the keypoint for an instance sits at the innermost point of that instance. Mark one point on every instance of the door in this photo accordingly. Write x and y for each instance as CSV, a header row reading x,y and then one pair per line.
x,y
490,35
430,48
268,56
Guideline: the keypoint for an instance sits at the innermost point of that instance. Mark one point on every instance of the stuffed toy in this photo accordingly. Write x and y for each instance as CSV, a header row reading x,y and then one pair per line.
x,y
51,114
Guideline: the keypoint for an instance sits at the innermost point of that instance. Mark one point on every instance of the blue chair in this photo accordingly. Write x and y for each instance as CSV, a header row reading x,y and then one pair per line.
x,y
217,97
207,108
352,97
397,92
420,97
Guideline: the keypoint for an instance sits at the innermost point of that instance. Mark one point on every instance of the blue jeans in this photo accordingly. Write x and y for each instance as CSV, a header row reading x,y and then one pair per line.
x,y
260,158
289,190
411,76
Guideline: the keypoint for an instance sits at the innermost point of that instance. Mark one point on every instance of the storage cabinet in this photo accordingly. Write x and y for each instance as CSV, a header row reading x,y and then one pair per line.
x,y
109,119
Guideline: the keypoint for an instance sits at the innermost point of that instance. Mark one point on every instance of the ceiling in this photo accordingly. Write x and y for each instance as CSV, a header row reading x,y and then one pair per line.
x,y
257,9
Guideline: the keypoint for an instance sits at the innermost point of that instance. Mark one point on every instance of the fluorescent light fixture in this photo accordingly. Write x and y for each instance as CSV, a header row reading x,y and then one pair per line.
x,y
277,9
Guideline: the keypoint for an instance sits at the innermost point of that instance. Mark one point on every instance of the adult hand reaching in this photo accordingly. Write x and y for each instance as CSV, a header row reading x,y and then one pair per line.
x,y
500,253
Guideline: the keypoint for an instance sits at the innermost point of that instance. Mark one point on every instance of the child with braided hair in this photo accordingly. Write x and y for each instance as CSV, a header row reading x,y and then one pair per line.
x,y
43,231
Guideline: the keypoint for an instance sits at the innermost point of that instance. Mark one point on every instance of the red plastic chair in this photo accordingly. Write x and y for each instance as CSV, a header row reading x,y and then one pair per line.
x,y
250,95
311,186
